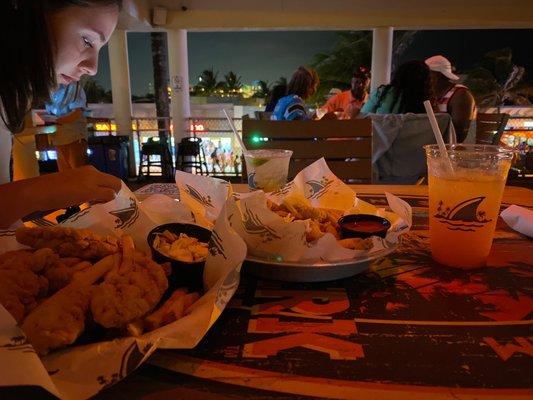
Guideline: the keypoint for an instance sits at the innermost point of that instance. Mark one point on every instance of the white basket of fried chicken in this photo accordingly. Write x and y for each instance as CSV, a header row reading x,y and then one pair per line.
x,y
71,282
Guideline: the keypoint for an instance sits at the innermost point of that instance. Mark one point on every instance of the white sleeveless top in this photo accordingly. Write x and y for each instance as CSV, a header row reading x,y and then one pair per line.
x,y
442,103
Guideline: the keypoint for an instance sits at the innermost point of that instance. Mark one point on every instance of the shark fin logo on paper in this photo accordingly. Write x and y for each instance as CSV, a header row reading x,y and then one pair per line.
x,y
318,188
215,245
251,180
228,287
254,226
195,194
125,217
465,216
78,215
18,343
284,190
6,233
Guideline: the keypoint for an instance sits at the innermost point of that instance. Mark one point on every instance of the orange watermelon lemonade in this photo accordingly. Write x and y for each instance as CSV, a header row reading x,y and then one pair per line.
x,y
464,204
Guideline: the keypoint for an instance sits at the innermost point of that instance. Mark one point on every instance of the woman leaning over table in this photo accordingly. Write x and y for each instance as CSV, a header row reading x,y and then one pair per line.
x,y
43,44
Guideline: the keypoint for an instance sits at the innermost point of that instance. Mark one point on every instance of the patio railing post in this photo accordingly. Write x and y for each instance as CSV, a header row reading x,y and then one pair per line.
x,y
120,87
381,56
180,108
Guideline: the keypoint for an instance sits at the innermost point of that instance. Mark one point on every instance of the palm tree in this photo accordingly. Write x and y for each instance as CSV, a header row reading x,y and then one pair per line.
x,y
232,83
351,50
282,81
263,91
95,92
335,68
162,103
207,83
497,81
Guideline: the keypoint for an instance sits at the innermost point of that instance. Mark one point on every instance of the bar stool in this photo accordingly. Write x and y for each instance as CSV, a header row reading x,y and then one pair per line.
x,y
190,154
152,148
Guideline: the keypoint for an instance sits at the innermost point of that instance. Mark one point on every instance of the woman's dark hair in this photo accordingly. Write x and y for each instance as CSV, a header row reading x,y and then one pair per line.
x,y
27,71
410,86
277,93
303,82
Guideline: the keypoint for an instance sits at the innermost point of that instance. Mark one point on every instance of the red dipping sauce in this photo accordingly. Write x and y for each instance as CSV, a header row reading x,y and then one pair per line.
x,y
363,226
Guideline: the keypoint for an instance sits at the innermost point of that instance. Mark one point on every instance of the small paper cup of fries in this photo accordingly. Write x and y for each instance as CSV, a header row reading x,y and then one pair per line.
x,y
184,246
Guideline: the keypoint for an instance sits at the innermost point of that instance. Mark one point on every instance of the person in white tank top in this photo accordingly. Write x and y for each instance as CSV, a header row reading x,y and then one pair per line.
x,y
452,98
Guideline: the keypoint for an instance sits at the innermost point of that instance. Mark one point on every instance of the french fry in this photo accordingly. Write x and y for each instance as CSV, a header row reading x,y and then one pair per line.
x,y
190,299
98,270
168,311
135,328
128,253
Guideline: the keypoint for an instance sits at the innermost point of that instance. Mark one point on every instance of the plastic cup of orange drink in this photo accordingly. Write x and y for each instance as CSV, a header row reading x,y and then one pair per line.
x,y
464,203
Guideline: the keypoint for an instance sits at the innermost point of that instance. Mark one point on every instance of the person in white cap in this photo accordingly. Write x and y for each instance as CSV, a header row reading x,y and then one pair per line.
x,y
452,98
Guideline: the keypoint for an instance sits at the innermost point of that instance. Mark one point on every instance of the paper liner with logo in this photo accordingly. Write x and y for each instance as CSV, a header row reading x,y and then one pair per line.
x,y
79,372
267,234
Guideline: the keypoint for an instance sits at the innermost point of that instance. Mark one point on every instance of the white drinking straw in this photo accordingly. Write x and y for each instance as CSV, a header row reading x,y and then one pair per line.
x,y
438,135
239,139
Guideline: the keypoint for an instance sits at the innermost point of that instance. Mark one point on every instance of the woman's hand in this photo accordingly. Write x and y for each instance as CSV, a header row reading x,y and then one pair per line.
x,y
76,186
55,191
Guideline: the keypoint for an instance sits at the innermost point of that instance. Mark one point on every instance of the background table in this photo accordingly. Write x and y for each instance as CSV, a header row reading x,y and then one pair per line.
x,y
406,329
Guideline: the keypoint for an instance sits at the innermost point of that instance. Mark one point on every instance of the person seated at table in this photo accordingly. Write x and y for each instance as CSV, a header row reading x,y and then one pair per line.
x,y
349,102
451,98
277,93
409,88
302,85
50,42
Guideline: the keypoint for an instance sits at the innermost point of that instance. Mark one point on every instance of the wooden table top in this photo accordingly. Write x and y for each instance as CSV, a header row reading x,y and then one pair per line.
x,y
407,328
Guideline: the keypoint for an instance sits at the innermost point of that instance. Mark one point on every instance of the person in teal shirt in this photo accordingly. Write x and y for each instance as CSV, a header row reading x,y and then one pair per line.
x,y
409,88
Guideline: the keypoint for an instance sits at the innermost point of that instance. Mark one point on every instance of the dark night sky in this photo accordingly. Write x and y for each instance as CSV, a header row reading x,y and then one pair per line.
x,y
269,55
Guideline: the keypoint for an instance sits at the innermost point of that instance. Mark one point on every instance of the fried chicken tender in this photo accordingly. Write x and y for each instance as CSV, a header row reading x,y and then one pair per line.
x,y
321,220
20,284
59,320
61,273
68,242
130,290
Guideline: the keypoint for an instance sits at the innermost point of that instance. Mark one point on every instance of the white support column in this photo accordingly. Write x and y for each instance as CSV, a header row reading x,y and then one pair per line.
x,y
178,63
381,56
120,87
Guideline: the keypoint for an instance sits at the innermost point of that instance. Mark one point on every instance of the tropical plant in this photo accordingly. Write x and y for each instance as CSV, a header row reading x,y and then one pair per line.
x,y
263,90
351,50
335,68
96,93
161,94
207,83
232,83
282,81
497,81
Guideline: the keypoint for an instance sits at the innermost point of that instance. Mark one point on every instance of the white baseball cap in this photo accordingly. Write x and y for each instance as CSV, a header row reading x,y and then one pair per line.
x,y
442,65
